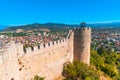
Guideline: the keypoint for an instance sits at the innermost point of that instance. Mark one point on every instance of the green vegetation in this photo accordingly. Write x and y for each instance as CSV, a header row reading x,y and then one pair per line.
x,y
38,78
104,63
80,71
19,34
7,33
13,34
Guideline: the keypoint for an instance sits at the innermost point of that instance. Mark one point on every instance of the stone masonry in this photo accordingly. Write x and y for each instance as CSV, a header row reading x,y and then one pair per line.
x,y
45,60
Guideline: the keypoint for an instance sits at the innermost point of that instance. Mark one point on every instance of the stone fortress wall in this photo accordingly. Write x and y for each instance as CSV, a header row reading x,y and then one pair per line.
x,y
45,60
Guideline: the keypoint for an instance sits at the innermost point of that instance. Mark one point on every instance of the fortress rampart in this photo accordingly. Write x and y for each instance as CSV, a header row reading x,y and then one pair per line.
x,y
12,47
45,60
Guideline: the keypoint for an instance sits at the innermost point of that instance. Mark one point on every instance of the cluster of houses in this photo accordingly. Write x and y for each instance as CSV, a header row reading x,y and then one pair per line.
x,y
107,39
31,39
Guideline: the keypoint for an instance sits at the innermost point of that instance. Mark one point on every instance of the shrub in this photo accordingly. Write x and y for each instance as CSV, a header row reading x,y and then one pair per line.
x,y
79,71
38,78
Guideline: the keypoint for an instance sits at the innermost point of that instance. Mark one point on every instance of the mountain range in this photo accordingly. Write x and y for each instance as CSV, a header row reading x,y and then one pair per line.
x,y
58,26
105,25
50,26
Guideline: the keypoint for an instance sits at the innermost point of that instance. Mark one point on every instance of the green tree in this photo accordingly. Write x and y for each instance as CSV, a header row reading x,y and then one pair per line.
x,y
110,70
96,59
102,51
109,64
79,71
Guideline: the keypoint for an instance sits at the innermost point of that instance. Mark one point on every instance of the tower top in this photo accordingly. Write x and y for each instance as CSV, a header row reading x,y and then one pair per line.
x,y
83,24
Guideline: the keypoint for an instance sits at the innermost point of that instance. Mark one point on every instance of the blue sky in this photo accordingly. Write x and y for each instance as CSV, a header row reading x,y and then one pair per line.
x,y
18,12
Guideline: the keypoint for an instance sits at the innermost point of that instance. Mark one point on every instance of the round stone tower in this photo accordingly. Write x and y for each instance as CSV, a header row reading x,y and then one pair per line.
x,y
82,41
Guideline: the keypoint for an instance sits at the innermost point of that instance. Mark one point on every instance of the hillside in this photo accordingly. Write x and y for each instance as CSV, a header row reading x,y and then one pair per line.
x,y
59,26
50,26
104,66
106,25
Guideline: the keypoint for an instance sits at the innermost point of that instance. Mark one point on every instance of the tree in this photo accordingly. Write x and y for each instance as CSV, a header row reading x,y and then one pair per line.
x,y
79,71
110,70
96,59
102,51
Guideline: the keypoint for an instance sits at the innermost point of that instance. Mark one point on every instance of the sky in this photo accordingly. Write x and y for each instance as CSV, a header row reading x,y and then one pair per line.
x,y
19,12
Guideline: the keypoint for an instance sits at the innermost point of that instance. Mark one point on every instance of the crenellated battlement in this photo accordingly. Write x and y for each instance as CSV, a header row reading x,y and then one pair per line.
x,y
82,29
48,45
45,45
